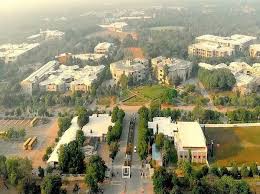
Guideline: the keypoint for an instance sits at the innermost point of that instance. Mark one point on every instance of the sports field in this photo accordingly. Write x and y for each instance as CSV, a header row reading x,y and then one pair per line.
x,y
235,145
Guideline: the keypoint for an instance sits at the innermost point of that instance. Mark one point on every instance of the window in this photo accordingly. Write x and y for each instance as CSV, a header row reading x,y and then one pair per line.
x,y
194,157
181,156
199,157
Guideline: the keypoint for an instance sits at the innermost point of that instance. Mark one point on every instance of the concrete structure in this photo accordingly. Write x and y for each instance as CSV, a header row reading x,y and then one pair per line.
x,y
137,68
115,27
254,51
54,77
188,138
63,58
217,46
176,68
103,48
90,56
32,81
98,126
47,35
10,53
68,136
247,77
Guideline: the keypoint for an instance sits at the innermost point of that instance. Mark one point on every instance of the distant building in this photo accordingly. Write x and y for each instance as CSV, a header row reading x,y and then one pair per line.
x,y
247,76
254,51
47,35
103,48
90,56
136,68
54,77
116,27
10,53
176,68
63,58
31,83
216,46
188,137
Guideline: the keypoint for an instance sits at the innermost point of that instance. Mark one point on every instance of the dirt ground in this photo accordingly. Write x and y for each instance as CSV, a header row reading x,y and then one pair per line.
x,y
46,135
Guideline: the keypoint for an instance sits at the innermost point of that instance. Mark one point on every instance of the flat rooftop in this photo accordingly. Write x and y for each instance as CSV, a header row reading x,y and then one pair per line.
x,y
97,125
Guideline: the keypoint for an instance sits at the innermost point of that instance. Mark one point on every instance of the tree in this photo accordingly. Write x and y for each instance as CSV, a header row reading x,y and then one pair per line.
x,y
83,116
3,170
18,170
95,172
214,170
41,172
80,137
234,172
64,123
114,114
51,184
123,81
162,181
223,171
254,169
159,140
169,152
71,158
244,171
113,148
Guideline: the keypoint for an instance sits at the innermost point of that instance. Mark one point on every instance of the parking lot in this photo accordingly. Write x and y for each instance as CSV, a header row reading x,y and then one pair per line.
x,y
45,133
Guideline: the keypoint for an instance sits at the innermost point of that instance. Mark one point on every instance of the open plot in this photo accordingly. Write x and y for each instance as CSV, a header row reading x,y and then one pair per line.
x,y
7,124
151,92
235,145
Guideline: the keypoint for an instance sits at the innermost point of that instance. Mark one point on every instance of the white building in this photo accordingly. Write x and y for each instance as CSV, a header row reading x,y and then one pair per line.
x,y
254,51
115,27
103,48
32,81
137,68
175,67
90,56
98,126
47,35
188,137
10,53
68,136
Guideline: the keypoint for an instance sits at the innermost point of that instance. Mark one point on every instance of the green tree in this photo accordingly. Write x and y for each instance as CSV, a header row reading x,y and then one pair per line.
x,y
71,158
123,81
113,148
254,169
3,170
83,116
244,171
80,137
162,181
95,172
159,141
51,184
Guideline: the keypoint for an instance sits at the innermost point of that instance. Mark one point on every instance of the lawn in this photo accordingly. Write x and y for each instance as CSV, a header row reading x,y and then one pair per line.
x,y
106,100
151,92
235,145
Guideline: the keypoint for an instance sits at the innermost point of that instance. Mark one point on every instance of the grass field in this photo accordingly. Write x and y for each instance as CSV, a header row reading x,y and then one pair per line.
x,y
151,92
106,100
235,145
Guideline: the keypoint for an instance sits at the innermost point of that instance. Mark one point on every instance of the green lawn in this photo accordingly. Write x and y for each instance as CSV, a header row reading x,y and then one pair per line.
x,y
235,145
151,92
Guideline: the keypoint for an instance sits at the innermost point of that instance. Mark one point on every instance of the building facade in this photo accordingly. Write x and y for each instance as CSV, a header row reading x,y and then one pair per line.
x,y
137,68
254,51
176,68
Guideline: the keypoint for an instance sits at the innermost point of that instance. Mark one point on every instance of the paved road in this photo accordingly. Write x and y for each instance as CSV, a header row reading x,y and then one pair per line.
x,y
136,184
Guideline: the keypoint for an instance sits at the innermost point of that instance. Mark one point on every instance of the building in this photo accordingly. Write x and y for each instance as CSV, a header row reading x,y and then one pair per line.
x,y
103,48
10,53
247,76
188,137
176,68
137,68
216,46
64,58
98,126
254,51
31,83
47,35
90,56
54,77
115,27
68,136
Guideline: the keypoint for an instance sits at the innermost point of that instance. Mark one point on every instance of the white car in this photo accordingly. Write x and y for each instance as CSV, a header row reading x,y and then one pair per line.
x,y
135,149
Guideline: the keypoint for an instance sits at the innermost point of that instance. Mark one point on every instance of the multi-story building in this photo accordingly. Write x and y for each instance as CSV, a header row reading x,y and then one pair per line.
x,y
216,46
188,137
137,68
31,83
254,51
103,48
47,35
10,53
176,68
116,27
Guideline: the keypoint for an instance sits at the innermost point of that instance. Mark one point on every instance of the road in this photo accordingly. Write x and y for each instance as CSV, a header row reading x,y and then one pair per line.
x,y
136,184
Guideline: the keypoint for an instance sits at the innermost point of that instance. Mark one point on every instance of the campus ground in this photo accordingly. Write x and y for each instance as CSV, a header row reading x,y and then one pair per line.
x,y
46,134
234,145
